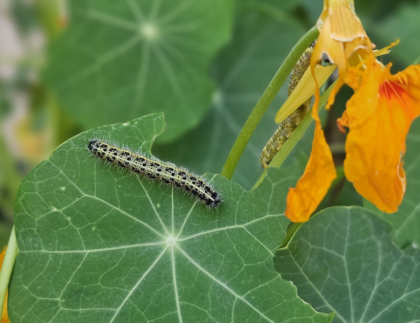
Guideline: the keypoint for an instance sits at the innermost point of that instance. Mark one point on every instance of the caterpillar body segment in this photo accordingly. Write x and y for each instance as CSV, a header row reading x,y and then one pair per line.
x,y
156,170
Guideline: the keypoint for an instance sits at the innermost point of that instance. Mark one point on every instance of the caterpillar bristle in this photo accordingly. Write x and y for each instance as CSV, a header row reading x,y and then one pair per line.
x,y
152,168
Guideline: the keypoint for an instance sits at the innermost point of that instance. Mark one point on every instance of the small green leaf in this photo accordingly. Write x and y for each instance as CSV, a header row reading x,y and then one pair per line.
x,y
99,245
242,71
344,260
406,221
119,60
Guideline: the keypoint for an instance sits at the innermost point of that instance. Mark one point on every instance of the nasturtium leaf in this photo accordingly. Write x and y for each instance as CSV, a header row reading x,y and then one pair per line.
x,y
119,60
344,260
402,24
100,245
313,9
242,72
279,6
406,221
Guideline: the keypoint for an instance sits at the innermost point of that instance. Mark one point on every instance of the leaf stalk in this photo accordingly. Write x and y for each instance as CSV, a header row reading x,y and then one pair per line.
x,y
295,137
265,101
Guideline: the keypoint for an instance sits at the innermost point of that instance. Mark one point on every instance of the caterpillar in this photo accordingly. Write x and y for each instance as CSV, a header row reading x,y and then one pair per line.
x,y
154,169
286,127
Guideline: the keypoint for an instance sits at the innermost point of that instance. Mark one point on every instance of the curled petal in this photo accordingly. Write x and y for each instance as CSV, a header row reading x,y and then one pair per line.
x,y
304,90
346,24
379,116
326,44
385,50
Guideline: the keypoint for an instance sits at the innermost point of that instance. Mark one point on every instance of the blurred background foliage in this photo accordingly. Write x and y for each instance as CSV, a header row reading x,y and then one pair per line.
x,y
68,66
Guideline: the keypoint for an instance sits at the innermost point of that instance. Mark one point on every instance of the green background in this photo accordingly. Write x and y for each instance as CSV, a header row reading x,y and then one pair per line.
x,y
206,72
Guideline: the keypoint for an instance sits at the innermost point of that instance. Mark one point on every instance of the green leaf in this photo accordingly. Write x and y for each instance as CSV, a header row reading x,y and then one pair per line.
x,y
119,60
344,260
99,245
348,196
313,9
406,221
340,193
379,9
285,6
242,72
403,24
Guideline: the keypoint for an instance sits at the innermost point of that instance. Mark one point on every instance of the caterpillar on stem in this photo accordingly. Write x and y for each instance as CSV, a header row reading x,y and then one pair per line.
x,y
286,128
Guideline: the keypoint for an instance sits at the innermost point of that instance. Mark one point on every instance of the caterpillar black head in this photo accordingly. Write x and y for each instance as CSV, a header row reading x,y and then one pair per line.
x,y
216,200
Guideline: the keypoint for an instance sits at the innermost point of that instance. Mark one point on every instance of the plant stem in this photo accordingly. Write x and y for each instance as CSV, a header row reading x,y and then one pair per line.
x,y
7,268
265,101
295,137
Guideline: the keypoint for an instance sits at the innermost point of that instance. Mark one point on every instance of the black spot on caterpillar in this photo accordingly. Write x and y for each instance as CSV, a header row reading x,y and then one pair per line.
x,y
286,128
157,170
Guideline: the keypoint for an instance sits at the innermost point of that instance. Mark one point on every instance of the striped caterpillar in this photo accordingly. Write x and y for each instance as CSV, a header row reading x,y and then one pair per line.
x,y
154,169
286,127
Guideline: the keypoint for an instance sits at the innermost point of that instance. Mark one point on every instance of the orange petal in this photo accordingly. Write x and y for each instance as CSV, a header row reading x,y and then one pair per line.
x,y
385,50
358,52
2,257
326,44
312,187
343,122
4,318
346,24
334,50
379,116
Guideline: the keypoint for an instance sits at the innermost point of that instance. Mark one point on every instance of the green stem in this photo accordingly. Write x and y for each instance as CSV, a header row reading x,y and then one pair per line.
x,y
291,230
265,101
295,137
7,268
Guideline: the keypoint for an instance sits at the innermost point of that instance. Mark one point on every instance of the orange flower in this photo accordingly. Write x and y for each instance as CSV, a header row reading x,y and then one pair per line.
x,y
4,317
378,115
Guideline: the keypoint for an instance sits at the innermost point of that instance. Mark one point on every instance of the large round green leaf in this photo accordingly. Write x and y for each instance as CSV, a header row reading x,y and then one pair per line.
x,y
344,260
119,60
406,221
99,245
242,72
